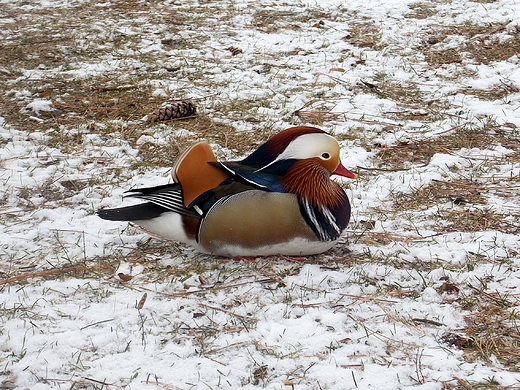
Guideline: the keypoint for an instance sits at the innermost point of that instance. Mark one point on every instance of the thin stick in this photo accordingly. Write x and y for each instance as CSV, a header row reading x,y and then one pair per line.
x,y
228,312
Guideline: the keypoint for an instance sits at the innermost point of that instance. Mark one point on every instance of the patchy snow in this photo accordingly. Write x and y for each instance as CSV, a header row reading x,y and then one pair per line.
x,y
37,106
354,323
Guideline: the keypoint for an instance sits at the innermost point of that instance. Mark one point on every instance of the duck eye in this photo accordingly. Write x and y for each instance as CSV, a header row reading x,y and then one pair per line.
x,y
325,156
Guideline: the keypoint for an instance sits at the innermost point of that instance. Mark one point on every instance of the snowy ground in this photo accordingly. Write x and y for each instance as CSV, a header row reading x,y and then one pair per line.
x,y
422,292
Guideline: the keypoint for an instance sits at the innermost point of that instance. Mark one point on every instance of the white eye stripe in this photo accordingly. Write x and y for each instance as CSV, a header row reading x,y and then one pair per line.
x,y
310,145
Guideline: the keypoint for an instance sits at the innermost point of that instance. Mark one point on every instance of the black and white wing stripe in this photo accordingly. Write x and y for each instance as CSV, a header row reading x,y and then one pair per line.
x,y
168,196
327,224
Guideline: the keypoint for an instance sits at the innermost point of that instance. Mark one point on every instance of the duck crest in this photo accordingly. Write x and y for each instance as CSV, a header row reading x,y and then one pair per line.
x,y
268,152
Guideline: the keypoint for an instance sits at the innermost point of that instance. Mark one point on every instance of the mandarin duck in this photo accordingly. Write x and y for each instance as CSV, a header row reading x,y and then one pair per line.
x,y
279,200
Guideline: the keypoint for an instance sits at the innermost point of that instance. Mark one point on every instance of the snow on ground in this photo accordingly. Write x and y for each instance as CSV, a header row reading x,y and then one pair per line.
x,y
86,303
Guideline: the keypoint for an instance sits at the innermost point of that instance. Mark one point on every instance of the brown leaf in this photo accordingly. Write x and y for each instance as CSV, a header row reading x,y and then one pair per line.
x,y
124,277
142,301
457,340
259,374
449,288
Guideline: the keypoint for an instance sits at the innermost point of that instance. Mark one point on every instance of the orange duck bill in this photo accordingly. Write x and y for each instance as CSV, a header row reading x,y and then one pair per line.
x,y
342,171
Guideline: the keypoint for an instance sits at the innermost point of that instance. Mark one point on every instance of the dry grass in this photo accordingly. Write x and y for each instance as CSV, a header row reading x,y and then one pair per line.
x,y
424,197
462,200
499,91
420,11
406,153
479,220
492,328
364,33
482,44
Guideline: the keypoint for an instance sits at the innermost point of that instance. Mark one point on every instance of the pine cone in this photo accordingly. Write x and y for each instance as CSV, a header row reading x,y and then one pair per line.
x,y
172,111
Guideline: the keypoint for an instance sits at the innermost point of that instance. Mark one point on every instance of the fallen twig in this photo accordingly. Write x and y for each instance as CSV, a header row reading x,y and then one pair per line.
x,y
228,312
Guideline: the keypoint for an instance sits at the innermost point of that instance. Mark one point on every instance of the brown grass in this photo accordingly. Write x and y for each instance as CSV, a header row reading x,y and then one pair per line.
x,y
364,33
479,220
420,11
405,153
483,44
493,328
499,91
